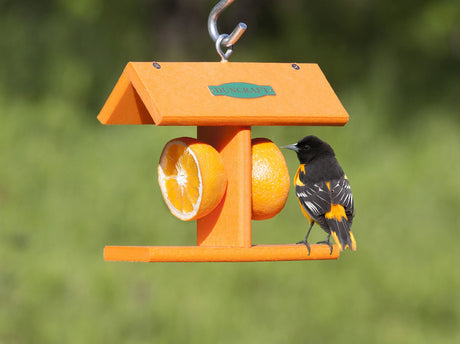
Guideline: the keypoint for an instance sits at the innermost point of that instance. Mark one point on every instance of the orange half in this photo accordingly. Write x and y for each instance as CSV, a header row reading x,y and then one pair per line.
x,y
270,179
191,177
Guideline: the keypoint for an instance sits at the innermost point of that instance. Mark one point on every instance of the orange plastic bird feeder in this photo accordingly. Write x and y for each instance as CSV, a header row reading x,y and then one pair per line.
x,y
223,100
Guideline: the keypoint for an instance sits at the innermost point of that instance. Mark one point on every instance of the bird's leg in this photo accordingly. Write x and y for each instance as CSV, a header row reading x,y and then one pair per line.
x,y
305,240
327,242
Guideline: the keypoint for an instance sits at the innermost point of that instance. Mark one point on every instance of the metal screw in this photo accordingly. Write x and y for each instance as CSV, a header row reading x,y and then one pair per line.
x,y
156,65
295,66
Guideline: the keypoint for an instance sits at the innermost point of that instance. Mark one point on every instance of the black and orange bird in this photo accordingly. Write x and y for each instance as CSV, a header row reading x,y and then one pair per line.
x,y
324,192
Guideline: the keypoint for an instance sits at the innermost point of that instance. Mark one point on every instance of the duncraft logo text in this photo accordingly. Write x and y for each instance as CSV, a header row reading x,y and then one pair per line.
x,y
241,90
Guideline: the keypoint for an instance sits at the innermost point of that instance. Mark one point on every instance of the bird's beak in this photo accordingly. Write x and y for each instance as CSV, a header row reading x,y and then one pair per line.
x,y
292,147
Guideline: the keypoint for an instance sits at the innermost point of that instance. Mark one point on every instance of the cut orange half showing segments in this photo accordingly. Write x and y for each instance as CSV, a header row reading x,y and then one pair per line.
x,y
191,177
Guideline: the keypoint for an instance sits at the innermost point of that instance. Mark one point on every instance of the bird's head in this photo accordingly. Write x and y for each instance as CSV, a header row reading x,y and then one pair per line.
x,y
309,148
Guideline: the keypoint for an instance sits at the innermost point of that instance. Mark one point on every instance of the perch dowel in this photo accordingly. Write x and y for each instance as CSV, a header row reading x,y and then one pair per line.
x,y
258,253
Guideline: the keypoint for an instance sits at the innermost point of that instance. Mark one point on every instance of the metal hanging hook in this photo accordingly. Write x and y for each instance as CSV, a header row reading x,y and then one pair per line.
x,y
223,39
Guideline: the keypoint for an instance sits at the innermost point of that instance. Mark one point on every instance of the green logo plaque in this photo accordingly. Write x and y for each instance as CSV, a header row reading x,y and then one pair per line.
x,y
242,90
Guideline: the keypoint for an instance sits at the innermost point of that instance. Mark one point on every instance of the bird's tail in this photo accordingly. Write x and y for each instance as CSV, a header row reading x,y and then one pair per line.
x,y
342,234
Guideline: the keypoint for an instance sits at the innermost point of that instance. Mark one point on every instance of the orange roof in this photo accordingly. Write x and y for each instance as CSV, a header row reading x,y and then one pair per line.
x,y
221,94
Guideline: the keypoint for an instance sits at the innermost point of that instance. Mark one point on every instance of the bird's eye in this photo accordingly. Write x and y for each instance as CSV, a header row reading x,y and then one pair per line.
x,y
306,147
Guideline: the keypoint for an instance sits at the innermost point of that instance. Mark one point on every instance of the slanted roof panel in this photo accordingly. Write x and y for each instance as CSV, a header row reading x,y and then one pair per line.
x,y
216,93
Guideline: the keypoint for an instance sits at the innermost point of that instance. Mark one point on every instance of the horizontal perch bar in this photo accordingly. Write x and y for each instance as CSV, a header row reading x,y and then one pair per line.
x,y
258,253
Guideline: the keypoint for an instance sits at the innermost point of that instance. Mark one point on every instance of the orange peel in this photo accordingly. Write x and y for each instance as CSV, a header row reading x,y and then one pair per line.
x,y
270,179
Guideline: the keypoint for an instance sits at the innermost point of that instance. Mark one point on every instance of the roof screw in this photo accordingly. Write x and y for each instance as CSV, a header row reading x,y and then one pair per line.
x,y
295,66
156,65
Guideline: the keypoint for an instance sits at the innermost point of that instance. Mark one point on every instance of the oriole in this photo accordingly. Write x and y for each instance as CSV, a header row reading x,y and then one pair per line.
x,y
324,192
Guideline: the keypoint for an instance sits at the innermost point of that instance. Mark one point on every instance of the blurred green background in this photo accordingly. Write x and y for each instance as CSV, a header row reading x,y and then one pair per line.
x,y
69,186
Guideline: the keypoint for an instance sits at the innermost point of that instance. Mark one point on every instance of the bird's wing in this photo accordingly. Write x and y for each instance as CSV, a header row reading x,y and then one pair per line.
x,y
316,200
341,194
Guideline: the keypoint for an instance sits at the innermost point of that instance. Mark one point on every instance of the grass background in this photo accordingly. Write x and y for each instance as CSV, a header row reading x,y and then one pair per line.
x,y
69,186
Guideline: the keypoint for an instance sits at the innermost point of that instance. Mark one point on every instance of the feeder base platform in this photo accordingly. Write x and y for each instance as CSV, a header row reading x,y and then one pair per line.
x,y
257,253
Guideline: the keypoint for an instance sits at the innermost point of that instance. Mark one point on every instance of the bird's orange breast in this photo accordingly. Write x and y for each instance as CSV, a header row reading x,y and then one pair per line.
x,y
309,218
297,181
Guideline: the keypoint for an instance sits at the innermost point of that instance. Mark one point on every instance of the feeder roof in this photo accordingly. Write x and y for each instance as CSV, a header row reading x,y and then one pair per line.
x,y
221,94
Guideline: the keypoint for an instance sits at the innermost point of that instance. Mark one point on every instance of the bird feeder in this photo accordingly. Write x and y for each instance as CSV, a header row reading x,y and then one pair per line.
x,y
223,100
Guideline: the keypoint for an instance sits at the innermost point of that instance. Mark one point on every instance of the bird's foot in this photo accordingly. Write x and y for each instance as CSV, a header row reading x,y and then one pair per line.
x,y
328,243
305,242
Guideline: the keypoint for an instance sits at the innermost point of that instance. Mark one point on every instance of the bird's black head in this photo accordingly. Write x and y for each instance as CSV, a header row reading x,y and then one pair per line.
x,y
310,148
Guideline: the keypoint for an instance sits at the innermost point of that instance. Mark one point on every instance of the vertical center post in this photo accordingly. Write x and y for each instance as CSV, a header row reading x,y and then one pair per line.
x,y
229,225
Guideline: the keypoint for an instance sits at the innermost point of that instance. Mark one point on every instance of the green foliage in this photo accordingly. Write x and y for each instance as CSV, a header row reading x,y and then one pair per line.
x,y
67,186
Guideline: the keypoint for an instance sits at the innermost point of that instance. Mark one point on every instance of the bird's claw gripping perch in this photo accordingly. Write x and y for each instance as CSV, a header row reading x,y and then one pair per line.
x,y
327,242
305,242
